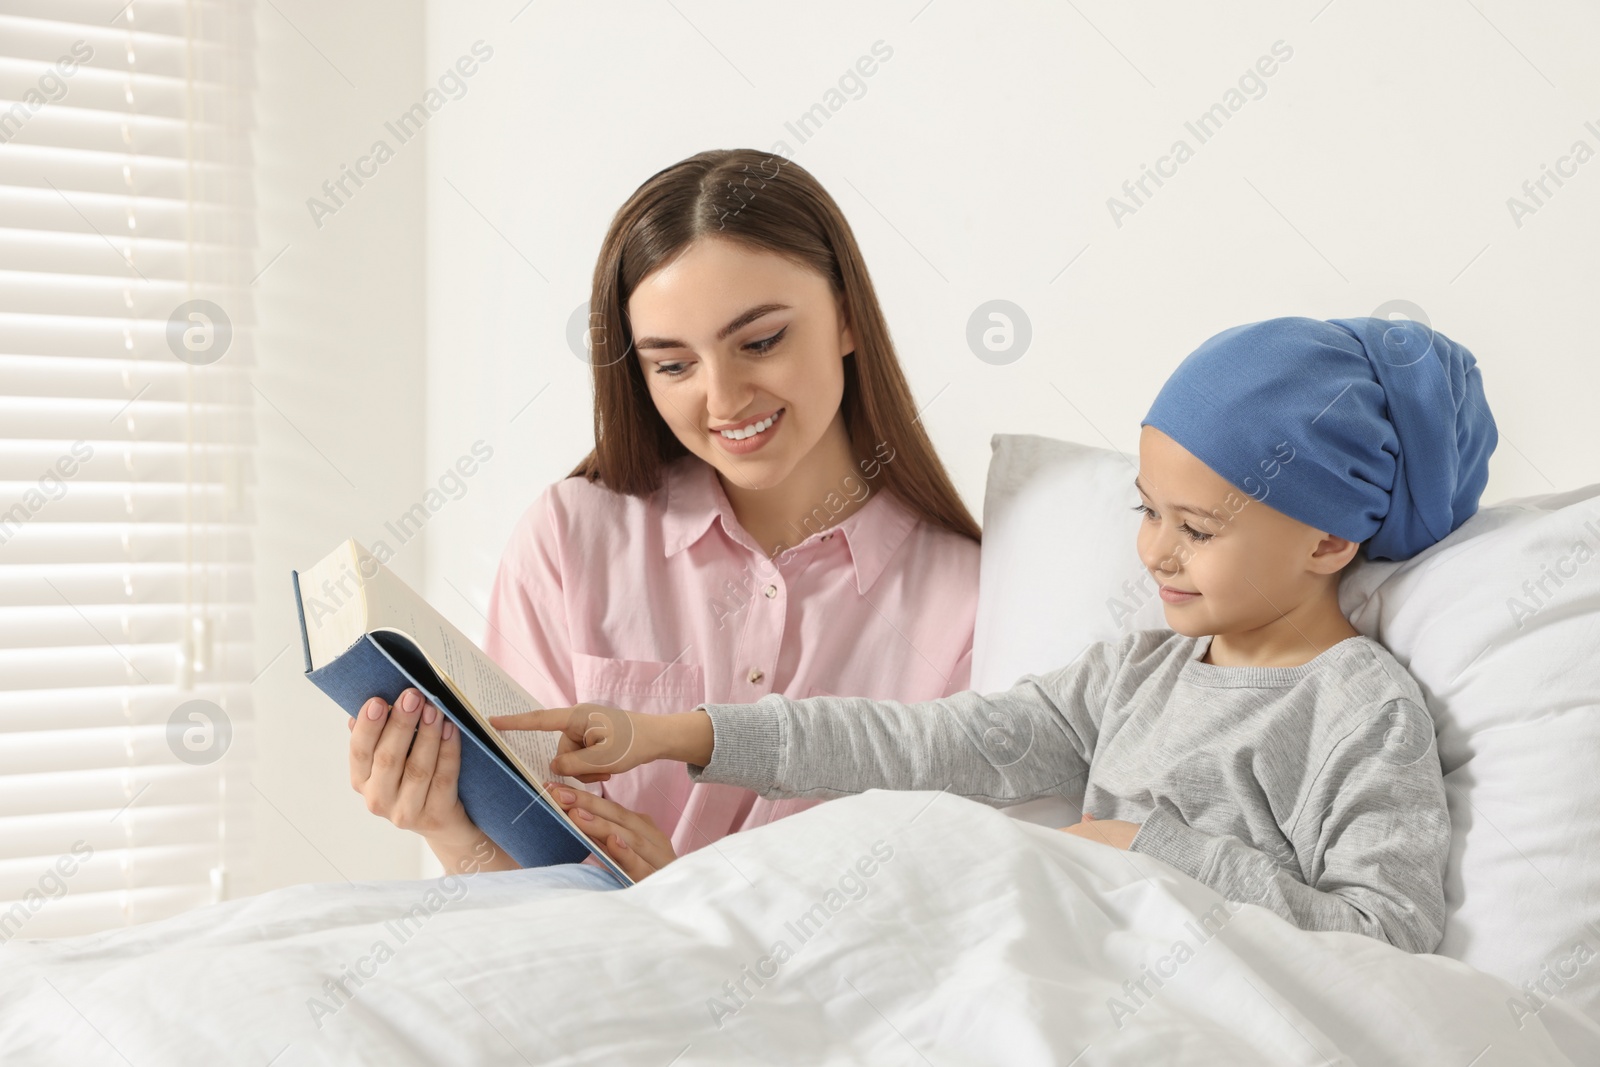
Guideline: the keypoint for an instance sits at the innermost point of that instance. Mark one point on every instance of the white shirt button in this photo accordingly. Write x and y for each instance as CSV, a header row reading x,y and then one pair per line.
x,y
755,675
771,591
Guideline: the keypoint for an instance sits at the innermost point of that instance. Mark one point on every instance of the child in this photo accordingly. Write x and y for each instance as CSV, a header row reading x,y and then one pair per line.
x,y
1261,745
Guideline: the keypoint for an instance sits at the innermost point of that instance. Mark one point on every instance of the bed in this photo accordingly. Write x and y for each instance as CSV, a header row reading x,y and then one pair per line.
x,y
925,928
880,929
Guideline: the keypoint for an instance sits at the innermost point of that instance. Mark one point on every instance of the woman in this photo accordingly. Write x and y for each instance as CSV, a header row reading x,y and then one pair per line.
x,y
762,511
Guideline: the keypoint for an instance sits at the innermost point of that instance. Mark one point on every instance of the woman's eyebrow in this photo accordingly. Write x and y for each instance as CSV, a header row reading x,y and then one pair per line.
x,y
748,317
1176,507
743,319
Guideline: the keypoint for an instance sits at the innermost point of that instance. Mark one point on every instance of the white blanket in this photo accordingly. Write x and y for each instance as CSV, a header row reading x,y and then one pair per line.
x,y
888,928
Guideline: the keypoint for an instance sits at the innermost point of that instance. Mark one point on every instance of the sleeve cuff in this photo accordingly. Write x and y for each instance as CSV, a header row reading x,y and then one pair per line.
x,y
746,746
1168,838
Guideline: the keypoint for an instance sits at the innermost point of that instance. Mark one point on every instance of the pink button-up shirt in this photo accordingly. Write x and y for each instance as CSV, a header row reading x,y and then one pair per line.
x,y
660,603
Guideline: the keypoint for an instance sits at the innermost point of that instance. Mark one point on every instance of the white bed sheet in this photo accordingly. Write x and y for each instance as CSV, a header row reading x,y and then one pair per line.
x,y
978,940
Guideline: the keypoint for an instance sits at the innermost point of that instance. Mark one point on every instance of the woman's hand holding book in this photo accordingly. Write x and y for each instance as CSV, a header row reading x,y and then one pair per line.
x,y
405,762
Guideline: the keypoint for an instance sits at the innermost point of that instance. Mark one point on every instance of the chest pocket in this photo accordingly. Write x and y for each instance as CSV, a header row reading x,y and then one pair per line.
x,y
637,684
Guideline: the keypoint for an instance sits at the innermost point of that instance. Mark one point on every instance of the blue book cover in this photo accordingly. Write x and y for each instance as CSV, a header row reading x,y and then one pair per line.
x,y
384,662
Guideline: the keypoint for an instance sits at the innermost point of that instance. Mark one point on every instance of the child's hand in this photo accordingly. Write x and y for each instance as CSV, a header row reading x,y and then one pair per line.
x,y
1113,832
596,741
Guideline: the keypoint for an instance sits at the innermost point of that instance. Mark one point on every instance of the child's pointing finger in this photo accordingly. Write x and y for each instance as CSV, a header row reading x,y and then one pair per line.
x,y
543,719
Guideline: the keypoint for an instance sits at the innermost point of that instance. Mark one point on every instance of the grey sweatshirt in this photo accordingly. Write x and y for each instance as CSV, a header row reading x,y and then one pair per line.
x,y
1314,791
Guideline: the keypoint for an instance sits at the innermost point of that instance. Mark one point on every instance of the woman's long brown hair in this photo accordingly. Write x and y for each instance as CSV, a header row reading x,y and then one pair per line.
x,y
768,203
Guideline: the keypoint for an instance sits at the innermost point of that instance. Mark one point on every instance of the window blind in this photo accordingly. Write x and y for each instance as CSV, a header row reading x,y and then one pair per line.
x,y
126,437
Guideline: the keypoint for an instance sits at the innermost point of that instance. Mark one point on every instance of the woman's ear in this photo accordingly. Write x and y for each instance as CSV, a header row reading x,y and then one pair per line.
x,y
847,337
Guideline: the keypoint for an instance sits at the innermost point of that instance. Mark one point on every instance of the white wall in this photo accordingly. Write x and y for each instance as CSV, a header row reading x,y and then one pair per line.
x,y
978,164
339,419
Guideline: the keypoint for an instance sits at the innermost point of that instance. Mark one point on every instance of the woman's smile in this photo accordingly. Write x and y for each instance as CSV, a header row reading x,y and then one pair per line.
x,y
742,438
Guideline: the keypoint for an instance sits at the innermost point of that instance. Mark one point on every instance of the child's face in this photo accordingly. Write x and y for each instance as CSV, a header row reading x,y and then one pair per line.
x,y
1250,563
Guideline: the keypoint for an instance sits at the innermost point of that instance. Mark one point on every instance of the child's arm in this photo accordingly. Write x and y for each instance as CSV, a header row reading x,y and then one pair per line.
x,y
1371,837
1031,740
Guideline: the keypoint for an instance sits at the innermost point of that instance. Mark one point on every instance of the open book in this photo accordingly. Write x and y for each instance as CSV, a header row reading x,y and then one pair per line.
x,y
366,633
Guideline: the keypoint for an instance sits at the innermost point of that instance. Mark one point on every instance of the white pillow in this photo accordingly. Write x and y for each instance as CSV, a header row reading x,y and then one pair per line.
x,y
1058,548
1515,693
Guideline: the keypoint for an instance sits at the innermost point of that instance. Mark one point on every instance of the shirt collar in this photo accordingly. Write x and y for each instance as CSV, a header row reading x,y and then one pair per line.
x,y
694,498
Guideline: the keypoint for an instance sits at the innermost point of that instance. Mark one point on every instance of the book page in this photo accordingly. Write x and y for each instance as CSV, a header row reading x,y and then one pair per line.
x,y
483,684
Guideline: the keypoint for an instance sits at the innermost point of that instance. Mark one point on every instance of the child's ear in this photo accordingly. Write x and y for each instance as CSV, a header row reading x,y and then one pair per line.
x,y
1333,553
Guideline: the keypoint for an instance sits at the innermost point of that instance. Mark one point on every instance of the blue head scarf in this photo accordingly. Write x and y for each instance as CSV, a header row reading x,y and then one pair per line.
x,y
1374,430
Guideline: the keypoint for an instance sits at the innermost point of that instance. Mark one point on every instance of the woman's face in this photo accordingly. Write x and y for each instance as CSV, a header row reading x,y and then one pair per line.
x,y
731,338
1250,563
